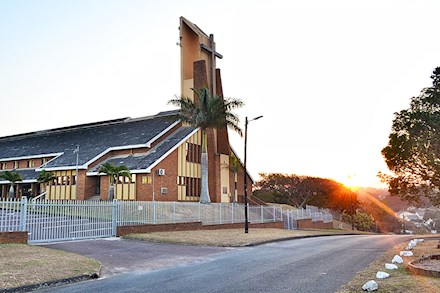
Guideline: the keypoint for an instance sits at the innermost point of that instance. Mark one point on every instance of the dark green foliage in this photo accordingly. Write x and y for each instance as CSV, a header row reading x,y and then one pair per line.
x,y
114,171
413,150
299,191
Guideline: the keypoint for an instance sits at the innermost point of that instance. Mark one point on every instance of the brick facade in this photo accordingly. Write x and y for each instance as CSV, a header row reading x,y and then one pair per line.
x,y
308,224
124,230
14,237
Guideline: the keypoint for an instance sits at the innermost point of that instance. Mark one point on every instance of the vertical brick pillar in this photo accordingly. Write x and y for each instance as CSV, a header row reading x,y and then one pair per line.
x,y
222,134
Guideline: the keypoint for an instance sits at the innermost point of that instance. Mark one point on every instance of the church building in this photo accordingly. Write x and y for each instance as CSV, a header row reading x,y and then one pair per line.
x,y
162,154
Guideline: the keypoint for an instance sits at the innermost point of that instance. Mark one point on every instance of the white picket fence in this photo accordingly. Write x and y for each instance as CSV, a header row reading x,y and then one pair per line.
x,y
57,220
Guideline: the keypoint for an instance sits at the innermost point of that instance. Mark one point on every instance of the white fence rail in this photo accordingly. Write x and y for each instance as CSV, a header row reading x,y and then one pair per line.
x,y
291,216
56,220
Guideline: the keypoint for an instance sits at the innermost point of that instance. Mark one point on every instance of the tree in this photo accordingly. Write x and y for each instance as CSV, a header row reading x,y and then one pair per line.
x,y
299,191
211,111
362,220
413,150
11,176
113,172
44,177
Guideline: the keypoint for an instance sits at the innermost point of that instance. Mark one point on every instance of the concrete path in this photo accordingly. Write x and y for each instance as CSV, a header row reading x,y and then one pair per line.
x,y
119,256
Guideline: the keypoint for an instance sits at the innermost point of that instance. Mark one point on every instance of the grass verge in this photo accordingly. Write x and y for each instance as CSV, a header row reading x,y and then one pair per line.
x,y
400,280
24,265
228,237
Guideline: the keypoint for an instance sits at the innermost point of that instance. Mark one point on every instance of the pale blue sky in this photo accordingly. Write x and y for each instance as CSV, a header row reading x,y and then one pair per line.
x,y
326,75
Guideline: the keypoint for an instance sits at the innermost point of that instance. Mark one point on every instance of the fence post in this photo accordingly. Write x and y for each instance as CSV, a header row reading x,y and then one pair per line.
x,y
262,216
233,207
274,217
220,213
200,212
23,213
174,212
154,212
114,216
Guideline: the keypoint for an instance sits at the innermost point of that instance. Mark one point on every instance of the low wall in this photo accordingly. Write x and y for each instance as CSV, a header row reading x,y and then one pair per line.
x,y
308,224
14,237
124,230
416,266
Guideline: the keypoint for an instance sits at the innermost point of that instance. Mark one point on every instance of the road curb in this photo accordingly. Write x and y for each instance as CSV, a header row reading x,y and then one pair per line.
x,y
60,282
294,238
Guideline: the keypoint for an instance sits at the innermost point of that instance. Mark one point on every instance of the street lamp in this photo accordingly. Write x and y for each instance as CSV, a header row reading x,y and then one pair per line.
x,y
246,224
76,174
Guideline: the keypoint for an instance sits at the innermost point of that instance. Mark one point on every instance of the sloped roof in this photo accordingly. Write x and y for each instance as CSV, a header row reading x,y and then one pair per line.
x,y
93,139
153,156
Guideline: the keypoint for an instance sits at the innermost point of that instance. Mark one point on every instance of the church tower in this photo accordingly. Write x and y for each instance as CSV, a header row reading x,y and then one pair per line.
x,y
198,70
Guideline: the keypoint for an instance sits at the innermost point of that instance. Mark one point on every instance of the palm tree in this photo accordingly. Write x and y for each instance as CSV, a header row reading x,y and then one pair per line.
x,y
211,111
12,176
44,177
113,173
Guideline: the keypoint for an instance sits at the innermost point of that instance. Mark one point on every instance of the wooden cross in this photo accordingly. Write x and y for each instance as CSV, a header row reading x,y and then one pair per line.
x,y
211,50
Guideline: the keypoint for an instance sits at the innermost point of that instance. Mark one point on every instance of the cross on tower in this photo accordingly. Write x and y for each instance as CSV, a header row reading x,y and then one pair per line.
x,y
211,50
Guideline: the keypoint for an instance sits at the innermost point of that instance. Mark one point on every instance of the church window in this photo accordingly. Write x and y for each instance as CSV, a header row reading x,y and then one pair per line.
x,y
193,153
4,165
16,165
30,163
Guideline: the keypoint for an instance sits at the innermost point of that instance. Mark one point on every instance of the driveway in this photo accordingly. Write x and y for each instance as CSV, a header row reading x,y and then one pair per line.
x,y
119,256
312,265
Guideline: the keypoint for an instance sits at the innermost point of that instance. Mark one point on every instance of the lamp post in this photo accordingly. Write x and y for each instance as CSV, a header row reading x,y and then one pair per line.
x,y
246,224
76,174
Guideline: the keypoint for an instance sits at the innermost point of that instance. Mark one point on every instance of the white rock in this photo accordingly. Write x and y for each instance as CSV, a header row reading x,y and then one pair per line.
x,y
382,275
412,244
397,259
390,266
420,240
406,253
370,286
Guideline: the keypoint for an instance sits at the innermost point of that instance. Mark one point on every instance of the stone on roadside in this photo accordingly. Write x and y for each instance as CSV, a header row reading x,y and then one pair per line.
x,y
406,253
370,286
382,275
390,266
397,259
411,244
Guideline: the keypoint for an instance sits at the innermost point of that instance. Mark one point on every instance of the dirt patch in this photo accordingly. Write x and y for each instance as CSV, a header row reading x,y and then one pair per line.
x,y
23,265
228,237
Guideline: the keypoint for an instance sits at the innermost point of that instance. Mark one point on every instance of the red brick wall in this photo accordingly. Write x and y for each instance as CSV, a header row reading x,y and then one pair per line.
x,y
124,230
308,224
14,237
169,180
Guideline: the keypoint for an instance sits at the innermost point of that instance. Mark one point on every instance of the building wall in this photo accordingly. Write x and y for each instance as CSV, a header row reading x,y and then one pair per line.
x,y
24,164
63,187
187,169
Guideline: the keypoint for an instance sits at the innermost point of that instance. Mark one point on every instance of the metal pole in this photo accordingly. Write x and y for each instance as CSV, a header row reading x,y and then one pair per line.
x,y
76,174
152,181
246,224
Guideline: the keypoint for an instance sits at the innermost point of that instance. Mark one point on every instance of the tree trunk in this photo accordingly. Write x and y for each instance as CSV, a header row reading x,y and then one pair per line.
x,y
11,193
204,195
111,192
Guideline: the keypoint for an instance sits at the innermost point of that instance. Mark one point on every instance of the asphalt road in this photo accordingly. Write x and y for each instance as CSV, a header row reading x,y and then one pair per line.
x,y
320,264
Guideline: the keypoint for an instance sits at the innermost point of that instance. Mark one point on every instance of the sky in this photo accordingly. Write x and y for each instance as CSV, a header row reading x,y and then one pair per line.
x,y
327,76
